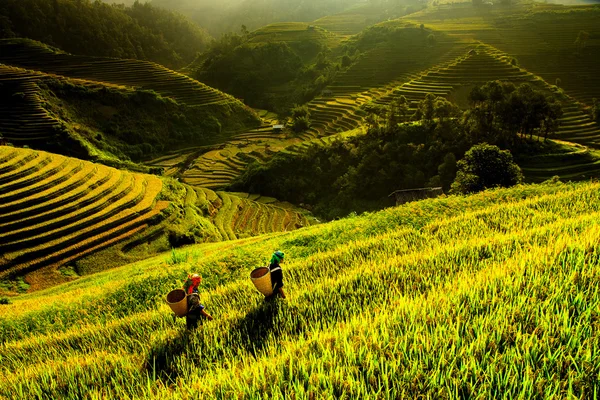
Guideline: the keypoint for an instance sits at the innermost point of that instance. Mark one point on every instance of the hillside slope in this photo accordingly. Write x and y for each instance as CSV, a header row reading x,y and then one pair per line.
x,y
93,28
490,295
55,209
108,108
542,37
58,212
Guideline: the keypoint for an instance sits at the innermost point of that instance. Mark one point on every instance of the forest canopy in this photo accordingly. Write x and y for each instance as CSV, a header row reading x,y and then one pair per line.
x,y
98,29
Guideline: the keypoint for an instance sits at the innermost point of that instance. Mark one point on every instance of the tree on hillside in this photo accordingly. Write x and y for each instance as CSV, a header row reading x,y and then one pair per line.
x,y
431,40
375,113
581,41
596,110
300,119
251,70
447,171
484,167
426,108
346,61
432,107
397,111
501,111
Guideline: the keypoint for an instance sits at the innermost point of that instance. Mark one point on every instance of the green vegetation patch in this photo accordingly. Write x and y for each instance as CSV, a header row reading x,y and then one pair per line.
x,y
98,29
138,124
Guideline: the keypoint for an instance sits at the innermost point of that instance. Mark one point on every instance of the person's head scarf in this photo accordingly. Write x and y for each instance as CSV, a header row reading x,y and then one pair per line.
x,y
277,257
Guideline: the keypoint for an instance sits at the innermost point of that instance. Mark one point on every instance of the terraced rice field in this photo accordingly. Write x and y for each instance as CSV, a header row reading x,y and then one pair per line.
x,y
540,36
354,20
22,117
375,74
460,69
133,73
215,167
55,209
240,215
485,63
577,163
476,67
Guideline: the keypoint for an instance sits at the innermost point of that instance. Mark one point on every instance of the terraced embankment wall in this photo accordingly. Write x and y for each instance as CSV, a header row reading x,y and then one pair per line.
x,y
55,209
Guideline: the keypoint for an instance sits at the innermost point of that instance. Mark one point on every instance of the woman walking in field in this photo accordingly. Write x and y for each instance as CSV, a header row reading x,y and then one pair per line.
x,y
276,276
195,308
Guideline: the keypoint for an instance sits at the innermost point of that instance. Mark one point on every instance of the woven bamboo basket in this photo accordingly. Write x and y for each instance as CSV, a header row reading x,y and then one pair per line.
x,y
177,300
261,278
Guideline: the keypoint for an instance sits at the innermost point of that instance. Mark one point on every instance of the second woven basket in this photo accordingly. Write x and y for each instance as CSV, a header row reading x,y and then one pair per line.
x,y
261,278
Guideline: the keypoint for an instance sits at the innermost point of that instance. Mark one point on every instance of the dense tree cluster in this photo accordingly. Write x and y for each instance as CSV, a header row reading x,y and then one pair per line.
x,y
247,69
485,166
359,173
273,75
138,124
99,29
300,119
501,111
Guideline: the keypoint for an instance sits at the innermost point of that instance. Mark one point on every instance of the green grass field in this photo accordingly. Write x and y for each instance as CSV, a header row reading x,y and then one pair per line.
x,y
494,295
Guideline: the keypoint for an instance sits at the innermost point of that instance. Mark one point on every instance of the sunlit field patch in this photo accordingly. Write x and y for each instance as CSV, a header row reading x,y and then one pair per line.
x,y
491,295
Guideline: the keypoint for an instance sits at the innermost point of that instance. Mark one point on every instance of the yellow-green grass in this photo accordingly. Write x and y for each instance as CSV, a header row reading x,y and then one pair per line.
x,y
493,295
56,209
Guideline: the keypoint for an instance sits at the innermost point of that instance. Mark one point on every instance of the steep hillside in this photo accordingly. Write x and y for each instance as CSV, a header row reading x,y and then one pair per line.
x,y
491,295
133,73
306,40
274,67
98,29
386,56
379,60
56,209
58,212
108,109
543,38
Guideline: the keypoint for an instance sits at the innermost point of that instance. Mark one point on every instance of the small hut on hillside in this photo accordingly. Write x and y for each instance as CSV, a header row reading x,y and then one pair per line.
x,y
408,195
